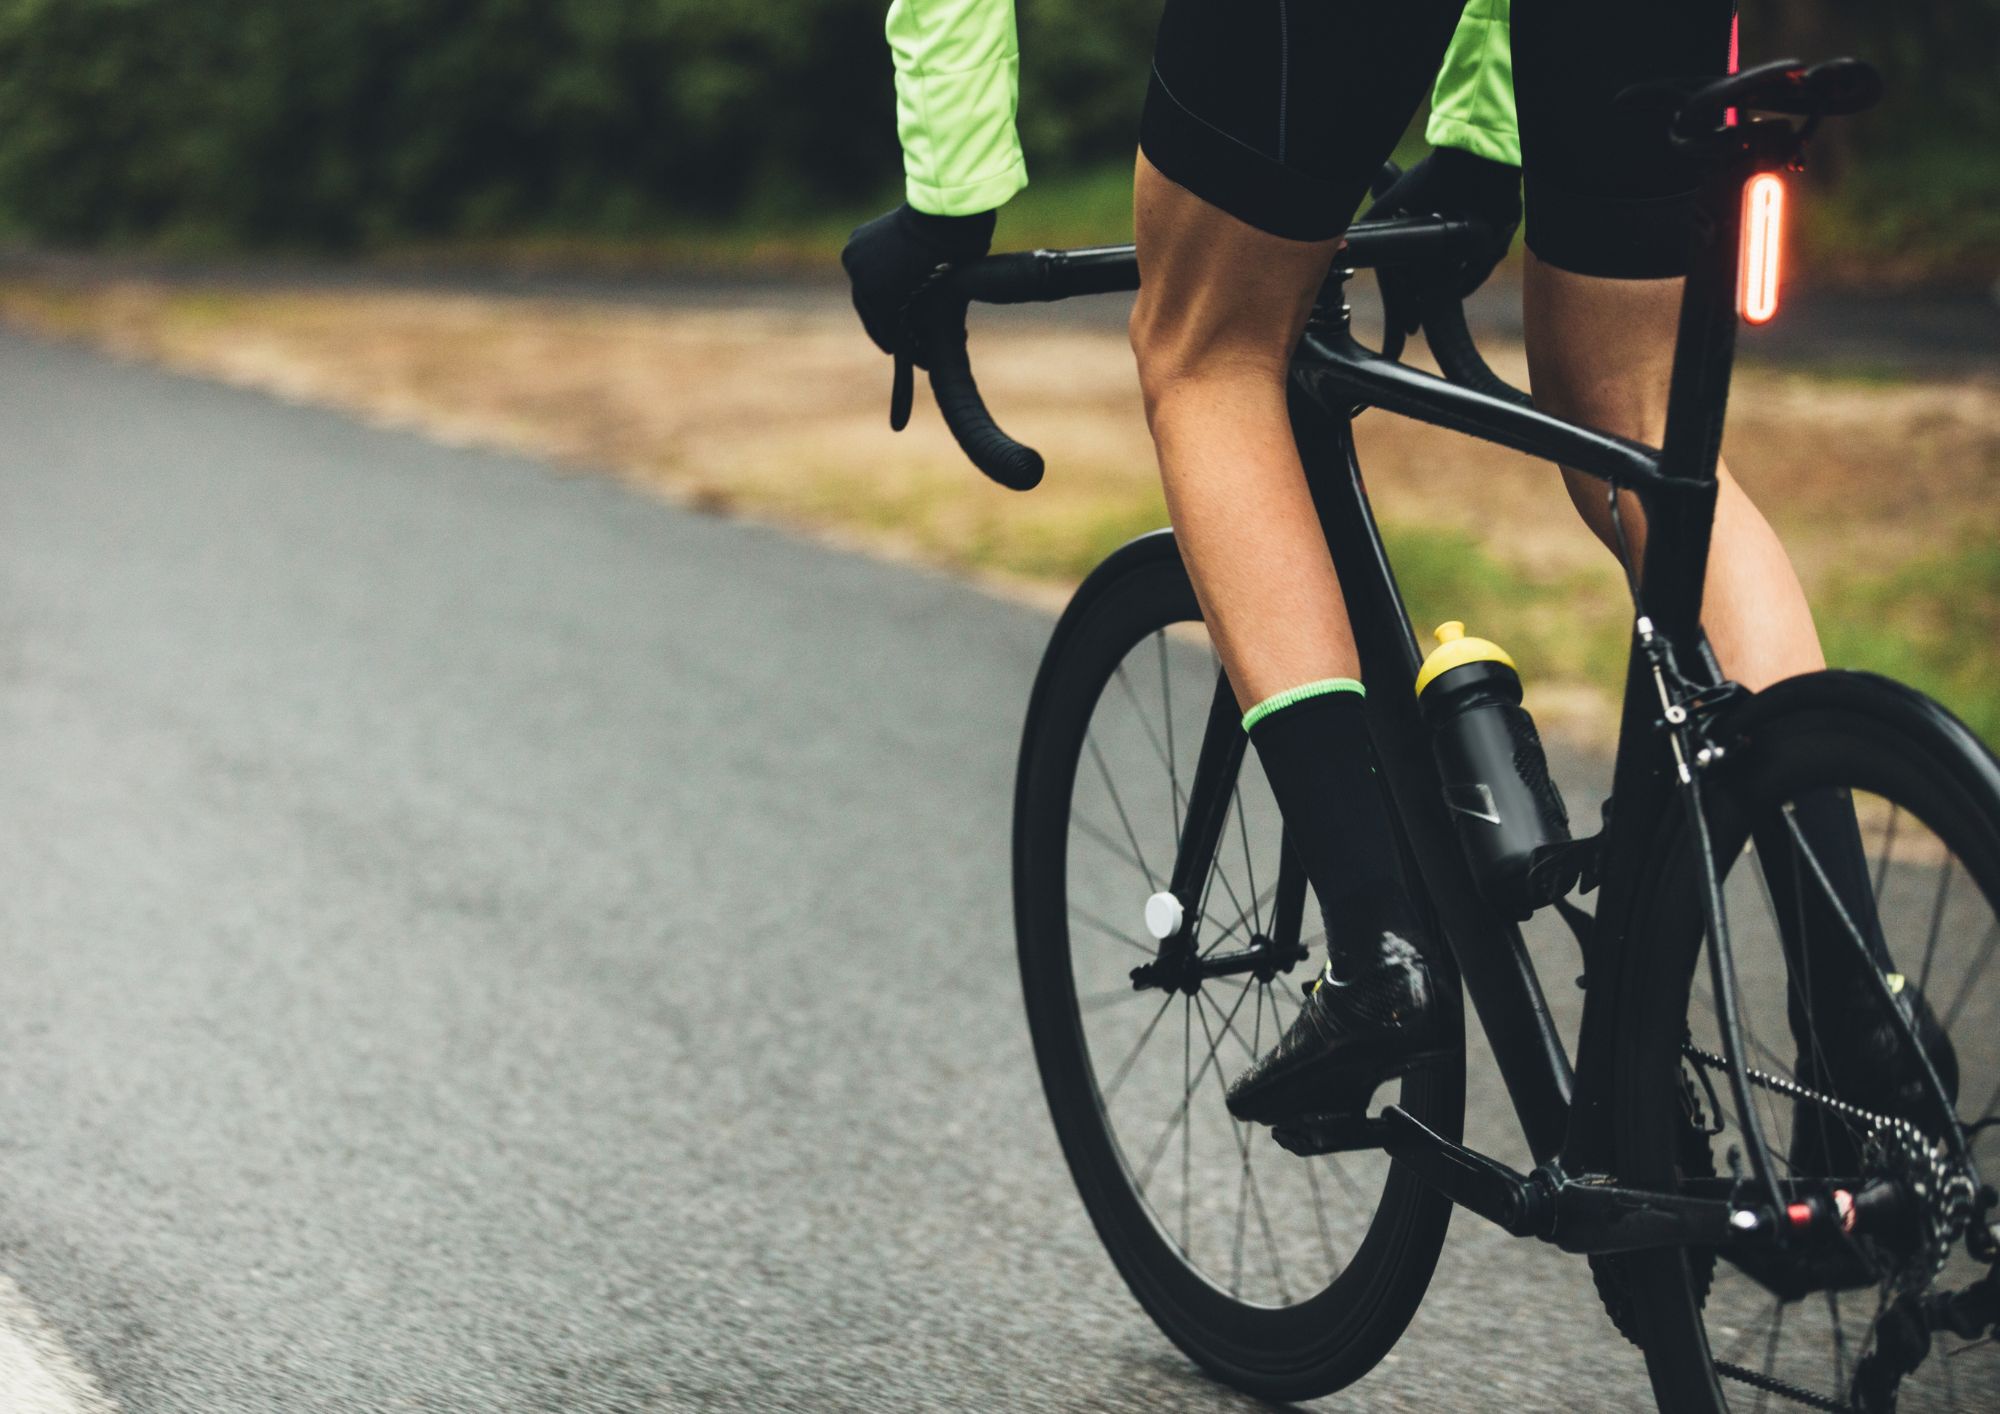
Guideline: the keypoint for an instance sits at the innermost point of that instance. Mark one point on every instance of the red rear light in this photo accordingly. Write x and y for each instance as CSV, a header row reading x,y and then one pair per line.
x,y
1763,242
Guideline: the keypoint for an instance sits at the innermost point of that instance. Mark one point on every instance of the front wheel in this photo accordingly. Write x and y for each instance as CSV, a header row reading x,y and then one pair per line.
x,y
1834,918
1285,1277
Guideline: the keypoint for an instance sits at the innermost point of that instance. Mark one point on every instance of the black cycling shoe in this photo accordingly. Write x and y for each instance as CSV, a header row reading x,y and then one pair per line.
x,y
1348,1039
1861,1058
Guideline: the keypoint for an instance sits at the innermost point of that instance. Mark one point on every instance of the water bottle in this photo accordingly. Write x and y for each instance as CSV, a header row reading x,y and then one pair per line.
x,y
1496,778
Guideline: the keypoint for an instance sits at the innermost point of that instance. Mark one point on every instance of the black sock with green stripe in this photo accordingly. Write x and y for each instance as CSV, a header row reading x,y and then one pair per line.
x,y
1320,760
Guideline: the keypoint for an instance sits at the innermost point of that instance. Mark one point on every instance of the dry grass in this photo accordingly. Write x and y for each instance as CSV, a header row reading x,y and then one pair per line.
x,y
782,415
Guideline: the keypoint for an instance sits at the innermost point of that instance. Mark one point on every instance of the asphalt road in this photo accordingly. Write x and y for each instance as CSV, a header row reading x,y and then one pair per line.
x,y
479,939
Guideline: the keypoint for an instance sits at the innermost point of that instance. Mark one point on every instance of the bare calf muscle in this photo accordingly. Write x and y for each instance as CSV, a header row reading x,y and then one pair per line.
x,y
1600,352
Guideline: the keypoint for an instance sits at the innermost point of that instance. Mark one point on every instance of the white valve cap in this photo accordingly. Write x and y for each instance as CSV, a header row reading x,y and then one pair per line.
x,y
1163,915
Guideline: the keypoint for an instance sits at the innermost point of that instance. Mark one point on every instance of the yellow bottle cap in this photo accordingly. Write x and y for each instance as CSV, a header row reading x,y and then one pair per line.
x,y
1455,650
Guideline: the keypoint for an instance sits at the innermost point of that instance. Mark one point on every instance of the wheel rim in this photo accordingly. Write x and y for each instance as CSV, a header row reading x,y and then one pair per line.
x,y
1942,934
1260,1226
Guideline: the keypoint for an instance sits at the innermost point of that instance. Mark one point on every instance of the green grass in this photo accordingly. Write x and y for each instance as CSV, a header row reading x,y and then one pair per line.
x,y
1933,623
1570,627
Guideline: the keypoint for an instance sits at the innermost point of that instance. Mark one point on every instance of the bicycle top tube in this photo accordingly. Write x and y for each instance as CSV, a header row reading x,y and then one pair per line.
x,y
1470,398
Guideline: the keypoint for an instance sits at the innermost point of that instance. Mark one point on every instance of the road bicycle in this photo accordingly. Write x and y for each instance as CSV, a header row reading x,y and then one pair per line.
x,y
1160,916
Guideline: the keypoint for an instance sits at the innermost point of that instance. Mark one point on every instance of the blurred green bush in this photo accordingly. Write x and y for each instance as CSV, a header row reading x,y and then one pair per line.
x,y
255,122
1912,185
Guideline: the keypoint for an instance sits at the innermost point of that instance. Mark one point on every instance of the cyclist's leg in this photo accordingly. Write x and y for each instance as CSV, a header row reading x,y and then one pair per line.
x,y
1264,123
1608,210
1599,352
1221,306
1245,181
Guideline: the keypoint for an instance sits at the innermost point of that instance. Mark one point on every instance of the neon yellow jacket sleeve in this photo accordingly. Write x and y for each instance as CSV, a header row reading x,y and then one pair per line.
x,y
1472,107
958,71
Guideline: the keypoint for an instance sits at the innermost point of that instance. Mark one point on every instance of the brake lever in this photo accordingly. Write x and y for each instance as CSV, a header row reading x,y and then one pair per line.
x,y
903,381
902,391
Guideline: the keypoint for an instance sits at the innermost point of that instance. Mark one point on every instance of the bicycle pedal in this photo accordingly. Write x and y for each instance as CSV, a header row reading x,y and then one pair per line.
x,y
1329,1134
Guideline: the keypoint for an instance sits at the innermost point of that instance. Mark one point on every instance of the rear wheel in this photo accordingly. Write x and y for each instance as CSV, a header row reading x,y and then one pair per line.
x,y
1285,1277
1897,1315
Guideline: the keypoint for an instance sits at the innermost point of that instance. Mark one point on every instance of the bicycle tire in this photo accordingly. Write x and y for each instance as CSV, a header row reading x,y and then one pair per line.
x,y
1849,731
1294,1351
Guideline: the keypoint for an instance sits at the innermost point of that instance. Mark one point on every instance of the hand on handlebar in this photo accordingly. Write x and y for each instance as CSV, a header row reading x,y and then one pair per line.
x,y
1457,184
903,267
888,260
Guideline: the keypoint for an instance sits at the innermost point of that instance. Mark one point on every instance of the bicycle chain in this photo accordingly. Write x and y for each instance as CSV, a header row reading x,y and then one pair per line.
x,y
1902,1145
1784,1389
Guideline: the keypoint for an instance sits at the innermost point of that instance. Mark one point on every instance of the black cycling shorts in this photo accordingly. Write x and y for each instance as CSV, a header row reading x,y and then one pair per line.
x,y
1281,112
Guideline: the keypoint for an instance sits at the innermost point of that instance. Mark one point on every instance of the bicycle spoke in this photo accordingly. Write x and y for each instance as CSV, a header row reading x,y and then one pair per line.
x,y
1771,1347
1875,1321
1163,752
1346,1181
1144,1036
1839,1339
1249,867
1216,871
1257,1019
1236,928
1103,837
1187,1130
1937,923
1208,880
1772,1122
1242,1216
1744,1337
1802,988
1248,1049
1771,1058
1854,935
1319,1215
1173,757
1888,848
1242,913
1249,1180
1118,804
1972,975
1107,930
1100,1000
1180,1114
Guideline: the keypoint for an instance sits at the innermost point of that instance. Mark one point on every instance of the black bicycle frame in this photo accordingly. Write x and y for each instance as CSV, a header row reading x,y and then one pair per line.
x,y
1564,1111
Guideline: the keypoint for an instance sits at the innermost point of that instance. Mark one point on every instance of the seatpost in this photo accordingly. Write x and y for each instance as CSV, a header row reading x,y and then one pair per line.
x,y
1678,521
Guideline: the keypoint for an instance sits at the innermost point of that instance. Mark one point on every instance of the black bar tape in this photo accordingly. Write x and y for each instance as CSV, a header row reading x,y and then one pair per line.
x,y
1017,467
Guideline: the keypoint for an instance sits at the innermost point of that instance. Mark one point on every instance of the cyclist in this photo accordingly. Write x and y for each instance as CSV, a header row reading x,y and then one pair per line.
x,y
1263,124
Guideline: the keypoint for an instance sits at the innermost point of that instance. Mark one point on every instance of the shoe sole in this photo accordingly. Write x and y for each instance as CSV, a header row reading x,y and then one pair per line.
x,y
1332,1090
1328,1134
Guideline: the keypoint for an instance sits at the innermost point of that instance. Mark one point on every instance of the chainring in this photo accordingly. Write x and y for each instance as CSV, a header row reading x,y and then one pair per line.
x,y
1612,1271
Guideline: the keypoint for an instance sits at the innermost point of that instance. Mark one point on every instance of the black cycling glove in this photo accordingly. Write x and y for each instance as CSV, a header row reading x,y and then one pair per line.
x,y
1449,182
890,257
